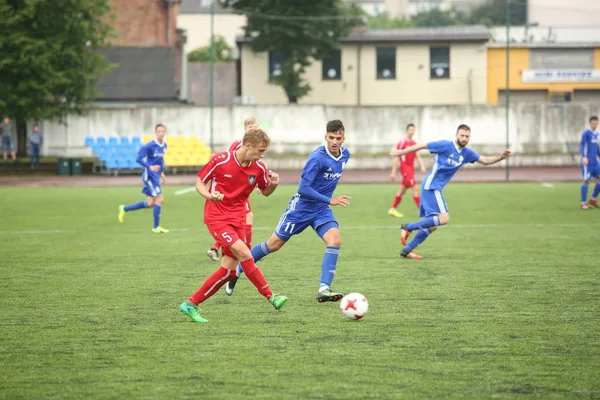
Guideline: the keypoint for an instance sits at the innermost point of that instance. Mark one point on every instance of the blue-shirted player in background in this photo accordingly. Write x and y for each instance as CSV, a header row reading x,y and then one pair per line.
x,y
450,156
590,168
151,157
310,207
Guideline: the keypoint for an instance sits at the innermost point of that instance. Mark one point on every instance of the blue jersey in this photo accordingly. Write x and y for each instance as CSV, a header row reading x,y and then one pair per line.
x,y
588,146
448,160
321,173
152,153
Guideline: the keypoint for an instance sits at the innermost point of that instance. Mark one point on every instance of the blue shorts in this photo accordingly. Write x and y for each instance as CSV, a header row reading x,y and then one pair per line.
x,y
432,202
151,185
293,222
590,171
7,143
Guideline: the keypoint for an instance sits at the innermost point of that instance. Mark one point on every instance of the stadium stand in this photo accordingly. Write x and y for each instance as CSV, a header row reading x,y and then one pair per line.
x,y
118,154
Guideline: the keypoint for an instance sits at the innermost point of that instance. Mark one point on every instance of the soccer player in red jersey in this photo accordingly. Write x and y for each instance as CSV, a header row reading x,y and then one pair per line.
x,y
407,170
213,252
232,176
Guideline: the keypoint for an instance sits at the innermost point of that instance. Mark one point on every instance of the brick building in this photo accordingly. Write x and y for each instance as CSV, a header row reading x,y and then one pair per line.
x,y
148,52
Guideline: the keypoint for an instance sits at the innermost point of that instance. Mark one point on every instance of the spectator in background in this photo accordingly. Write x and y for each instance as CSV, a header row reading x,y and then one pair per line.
x,y
35,139
7,145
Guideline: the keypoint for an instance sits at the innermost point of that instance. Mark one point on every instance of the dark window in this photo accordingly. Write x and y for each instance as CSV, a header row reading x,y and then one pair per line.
x,y
332,66
276,59
386,63
439,58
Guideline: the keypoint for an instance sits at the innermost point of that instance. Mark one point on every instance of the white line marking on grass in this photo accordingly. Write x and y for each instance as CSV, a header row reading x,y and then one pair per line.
x,y
184,191
342,227
547,185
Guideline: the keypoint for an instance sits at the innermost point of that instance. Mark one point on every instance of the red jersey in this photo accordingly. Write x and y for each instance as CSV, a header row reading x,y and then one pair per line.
x,y
236,182
407,160
235,145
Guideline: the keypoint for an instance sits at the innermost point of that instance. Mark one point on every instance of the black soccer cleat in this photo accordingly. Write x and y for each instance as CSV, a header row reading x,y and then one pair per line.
x,y
328,295
231,285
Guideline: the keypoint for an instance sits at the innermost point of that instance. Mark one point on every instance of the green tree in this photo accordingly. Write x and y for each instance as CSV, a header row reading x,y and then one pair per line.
x,y
223,52
385,21
494,13
302,31
436,17
48,66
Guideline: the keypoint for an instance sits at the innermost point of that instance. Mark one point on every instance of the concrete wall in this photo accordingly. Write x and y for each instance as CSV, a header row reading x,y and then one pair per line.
x,y
539,134
198,28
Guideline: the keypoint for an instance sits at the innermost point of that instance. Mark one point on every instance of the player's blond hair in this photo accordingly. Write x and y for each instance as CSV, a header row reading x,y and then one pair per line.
x,y
250,121
256,137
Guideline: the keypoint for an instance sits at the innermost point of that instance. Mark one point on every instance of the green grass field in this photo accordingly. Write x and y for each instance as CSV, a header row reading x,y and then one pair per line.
x,y
505,303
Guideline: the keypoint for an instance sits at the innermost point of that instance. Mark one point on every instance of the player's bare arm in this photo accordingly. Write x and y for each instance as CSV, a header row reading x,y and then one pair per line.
x,y
273,178
201,188
410,149
163,178
420,162
394,168
489,160
340,201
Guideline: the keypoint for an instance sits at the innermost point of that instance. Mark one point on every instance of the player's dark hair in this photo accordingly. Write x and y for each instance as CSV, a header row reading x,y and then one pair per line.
x,y
463,127
409,125
159,126
335,126
593,118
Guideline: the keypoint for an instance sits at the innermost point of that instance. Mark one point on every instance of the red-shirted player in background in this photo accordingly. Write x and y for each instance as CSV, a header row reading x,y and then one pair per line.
x,y
232,176
407,169
213,252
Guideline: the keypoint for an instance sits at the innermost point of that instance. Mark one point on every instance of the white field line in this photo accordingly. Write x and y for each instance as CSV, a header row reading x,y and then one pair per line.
x,y
184,191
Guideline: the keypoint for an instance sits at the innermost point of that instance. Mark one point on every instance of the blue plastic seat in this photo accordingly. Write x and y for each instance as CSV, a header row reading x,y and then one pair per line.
x,y
113,140
124,140
136,140
89,141
98,148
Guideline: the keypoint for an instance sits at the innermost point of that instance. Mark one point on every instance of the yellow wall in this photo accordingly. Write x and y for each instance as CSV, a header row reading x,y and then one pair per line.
x,y
519,60
412,85
198,28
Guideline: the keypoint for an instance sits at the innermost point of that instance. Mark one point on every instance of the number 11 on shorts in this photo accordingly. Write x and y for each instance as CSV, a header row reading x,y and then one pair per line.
x,y
289,228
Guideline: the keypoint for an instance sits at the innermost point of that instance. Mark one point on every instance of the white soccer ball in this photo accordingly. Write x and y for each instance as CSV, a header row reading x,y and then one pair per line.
x,y
354,305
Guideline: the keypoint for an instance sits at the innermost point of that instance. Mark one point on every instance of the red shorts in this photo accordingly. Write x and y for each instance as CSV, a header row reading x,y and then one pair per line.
x,y
226,235
408,176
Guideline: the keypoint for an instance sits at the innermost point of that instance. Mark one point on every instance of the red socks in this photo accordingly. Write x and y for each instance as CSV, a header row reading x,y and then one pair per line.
x,y
216,246
417,199
212,285
397,201
256,277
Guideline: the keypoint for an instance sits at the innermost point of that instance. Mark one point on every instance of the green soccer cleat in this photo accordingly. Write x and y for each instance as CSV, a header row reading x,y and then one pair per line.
x,y
394,213
121,213
191,311
159,229
278,300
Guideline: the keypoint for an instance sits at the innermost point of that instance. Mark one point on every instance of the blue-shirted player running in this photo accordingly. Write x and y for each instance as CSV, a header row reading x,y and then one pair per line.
x,y
151,157
590,167
310,207
450,156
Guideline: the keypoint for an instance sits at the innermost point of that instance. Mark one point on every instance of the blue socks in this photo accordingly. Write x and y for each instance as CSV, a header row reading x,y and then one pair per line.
x,y
259,252
417,240
329,264
596,191
584,192
136,206
157,209
426,223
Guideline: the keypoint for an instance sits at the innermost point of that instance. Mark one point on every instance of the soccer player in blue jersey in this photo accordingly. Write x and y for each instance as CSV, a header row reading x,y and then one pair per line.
x,y
310,207
450,156
590,167
151,157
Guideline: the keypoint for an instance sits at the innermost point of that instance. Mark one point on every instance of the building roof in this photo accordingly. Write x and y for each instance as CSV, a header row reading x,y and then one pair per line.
x,y
471,33
200,7
519,45
142,73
